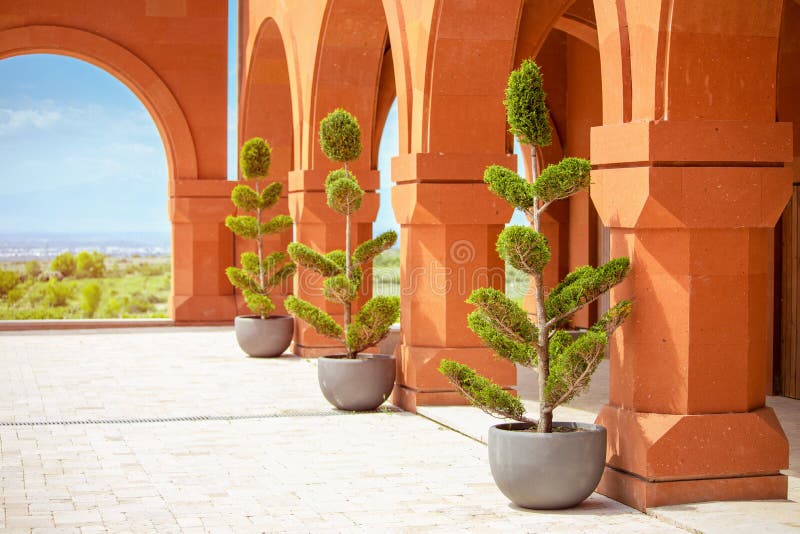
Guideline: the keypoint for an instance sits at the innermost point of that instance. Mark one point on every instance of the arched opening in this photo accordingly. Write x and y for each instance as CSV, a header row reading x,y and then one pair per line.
x,y
84,177
266,111
786,341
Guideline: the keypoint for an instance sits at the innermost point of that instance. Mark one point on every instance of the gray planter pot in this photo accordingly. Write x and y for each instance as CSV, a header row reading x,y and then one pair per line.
x,y
359,384
547,471
264,338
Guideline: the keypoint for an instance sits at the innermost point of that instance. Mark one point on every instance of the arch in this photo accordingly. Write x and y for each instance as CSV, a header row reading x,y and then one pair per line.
x,y
350,57
126,67
267,108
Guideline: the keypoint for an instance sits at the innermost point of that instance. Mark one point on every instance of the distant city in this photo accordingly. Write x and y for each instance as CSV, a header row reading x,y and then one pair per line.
x,y
22,247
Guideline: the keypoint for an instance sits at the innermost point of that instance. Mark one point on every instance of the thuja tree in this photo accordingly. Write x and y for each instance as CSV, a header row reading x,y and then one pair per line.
x,y
565,365
340,139
259,274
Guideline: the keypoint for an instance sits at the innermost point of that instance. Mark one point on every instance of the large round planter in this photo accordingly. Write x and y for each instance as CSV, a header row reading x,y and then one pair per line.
x,y
264,338
359,384
547,471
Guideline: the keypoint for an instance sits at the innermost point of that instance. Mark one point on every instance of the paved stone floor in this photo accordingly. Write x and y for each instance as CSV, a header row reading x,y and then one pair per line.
x,y
233,444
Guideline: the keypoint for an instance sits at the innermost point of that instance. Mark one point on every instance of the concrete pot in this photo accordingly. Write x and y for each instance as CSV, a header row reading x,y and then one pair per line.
x,y
264,338
359,384
547,471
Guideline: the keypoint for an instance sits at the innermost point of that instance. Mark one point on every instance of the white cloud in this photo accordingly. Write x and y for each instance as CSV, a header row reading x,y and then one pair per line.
x,y
12,120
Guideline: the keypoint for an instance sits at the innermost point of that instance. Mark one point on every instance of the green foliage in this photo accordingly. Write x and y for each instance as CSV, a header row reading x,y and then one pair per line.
x,y
64,263
279,223
254,158
614,317
58,293
526,110
562,180
524,248
510,186
372,247
318,319
258,302
242,225
482,392
90,265
90,298
372,323
572,364
340,289
505,347
583,285
340,136
344,195
503,314
310,259
33,269
8,281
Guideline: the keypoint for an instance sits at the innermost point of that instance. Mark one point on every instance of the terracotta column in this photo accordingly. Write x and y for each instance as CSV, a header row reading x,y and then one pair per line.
x,y
693,204
449,224
202,247
322,229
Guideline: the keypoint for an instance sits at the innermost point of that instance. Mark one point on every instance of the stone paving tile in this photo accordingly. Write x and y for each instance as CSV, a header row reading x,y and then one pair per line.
x,y
305,472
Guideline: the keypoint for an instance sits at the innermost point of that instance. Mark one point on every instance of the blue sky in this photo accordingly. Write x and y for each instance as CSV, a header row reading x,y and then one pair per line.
x,y
80,153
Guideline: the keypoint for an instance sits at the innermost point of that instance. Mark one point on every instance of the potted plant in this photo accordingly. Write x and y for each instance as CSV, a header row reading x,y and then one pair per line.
x,y
538,463
352,380
261,334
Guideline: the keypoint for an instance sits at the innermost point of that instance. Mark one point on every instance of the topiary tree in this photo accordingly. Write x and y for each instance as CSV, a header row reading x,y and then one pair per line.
x,y
340,139
258,274
564,365
64,263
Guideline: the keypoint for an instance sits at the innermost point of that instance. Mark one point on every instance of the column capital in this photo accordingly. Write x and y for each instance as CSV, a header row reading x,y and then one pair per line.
x,y
446,167
691,174
314,179
448,203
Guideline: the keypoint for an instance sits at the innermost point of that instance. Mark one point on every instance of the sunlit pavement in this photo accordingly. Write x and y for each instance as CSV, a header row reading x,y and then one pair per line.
x,y
175,430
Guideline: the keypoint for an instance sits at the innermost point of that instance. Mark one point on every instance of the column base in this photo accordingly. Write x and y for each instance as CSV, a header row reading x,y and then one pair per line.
x,y
315,351
642,494
408,398
202,309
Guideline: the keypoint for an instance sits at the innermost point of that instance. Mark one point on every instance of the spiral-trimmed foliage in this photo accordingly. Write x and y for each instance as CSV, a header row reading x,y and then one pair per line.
x,y
340,136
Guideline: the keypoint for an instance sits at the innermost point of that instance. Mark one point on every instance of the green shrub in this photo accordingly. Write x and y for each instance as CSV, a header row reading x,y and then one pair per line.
x,y
90,264
33,269
59,293
90,298
8,281
64,263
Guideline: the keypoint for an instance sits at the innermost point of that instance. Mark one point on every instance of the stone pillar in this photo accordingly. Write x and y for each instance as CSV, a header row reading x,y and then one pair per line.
x,y
693,204
449,224
202,247
322,229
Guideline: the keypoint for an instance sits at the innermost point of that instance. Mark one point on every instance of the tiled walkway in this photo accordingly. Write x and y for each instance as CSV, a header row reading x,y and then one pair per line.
x,y
234,445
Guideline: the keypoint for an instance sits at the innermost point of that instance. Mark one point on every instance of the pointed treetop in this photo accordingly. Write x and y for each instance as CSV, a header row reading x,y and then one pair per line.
x,y
526,110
